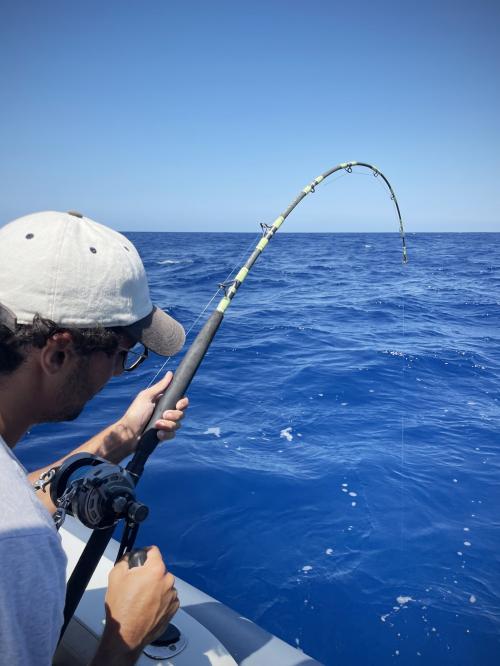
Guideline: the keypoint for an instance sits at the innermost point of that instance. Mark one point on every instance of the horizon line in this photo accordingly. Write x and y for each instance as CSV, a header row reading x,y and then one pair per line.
x,y
282,233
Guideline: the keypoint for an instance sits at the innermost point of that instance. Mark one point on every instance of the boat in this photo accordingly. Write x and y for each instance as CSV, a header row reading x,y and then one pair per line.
x,y
204,632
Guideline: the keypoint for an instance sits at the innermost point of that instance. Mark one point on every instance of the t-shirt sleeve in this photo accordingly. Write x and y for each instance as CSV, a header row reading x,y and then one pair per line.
x,y
32,589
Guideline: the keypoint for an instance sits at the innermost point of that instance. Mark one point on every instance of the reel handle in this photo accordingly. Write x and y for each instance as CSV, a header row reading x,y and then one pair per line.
x,y
137,558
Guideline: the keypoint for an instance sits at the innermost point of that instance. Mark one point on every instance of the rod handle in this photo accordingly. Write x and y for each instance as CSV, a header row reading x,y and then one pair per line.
x,y
176,390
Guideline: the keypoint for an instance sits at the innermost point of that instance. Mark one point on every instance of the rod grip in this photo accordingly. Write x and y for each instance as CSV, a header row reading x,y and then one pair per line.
x,y
176,390
187,367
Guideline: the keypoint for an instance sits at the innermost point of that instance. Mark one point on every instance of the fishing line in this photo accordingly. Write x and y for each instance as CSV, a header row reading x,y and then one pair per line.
x,y
204,309
334,180
403,447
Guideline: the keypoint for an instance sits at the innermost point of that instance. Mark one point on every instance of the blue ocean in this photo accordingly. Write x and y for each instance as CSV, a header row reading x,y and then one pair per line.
x,y
337,477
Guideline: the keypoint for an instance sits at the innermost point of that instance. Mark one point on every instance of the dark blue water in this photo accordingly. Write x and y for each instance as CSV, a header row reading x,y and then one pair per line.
x,y
337,477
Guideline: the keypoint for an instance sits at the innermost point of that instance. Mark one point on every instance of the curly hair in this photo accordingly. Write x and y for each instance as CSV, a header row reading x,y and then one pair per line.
x,y
14,345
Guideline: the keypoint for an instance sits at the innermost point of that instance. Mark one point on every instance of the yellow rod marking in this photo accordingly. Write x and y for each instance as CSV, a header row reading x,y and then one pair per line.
x,y
224,302
242,274
262,244
307,189
318,179
278,222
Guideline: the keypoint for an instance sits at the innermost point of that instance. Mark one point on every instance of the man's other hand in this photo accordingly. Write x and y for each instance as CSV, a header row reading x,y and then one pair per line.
x,y
140,602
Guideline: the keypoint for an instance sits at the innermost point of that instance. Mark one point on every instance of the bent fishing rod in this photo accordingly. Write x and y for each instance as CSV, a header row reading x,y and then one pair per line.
x,y
120,493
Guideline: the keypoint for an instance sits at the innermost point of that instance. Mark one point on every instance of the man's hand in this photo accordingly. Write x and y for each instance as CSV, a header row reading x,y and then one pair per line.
x,y
120,439
140,602
138,414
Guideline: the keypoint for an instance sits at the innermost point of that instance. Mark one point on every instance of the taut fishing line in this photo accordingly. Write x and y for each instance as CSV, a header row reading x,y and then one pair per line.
x,y
103,483
205,308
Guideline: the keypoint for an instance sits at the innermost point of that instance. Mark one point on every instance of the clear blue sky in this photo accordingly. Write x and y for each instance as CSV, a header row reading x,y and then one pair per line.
x,y
213,115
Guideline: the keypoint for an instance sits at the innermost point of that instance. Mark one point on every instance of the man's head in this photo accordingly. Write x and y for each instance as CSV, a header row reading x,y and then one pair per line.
x,y
73,298
67,365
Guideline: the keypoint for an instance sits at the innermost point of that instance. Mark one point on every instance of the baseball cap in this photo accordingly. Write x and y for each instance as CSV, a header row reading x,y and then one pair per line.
x,y
76,272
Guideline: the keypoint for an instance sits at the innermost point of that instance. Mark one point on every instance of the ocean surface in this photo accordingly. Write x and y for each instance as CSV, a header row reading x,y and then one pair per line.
x,y
337,477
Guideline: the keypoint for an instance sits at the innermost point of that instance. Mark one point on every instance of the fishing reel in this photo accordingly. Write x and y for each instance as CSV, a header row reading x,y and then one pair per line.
x,y
94,491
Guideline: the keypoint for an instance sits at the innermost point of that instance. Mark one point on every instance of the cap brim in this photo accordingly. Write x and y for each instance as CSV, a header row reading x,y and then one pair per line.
x,y
158,332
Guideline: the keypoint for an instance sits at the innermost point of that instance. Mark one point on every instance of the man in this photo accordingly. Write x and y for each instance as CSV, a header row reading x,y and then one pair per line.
x,y
74,301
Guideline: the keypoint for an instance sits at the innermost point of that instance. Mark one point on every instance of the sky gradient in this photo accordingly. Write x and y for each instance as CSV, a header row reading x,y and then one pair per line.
x,y
211,116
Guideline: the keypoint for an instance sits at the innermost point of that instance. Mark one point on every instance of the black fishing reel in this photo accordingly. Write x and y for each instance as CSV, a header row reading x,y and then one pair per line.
x,y
95,491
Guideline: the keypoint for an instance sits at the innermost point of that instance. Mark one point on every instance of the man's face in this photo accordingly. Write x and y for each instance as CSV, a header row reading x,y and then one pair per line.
x,y
86,376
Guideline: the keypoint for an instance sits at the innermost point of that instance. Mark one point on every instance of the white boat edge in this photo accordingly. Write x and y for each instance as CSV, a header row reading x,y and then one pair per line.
x,y
212,633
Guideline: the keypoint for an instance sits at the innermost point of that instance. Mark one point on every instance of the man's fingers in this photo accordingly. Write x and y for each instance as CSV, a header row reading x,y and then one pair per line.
x,y
158,389
122,564
162,385
164,424
183,403
154,559
172,415
167,432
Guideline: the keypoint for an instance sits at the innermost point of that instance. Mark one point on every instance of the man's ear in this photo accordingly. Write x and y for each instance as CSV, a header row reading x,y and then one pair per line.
x,y
57,352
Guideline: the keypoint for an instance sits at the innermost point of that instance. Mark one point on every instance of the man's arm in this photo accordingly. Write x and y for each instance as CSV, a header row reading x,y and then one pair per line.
x,y
120,439
140,603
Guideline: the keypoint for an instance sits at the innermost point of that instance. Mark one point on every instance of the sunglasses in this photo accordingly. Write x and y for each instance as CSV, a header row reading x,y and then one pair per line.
x,y
133,357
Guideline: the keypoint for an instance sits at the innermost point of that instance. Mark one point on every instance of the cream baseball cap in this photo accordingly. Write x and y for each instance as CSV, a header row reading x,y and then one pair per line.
x,y
76,272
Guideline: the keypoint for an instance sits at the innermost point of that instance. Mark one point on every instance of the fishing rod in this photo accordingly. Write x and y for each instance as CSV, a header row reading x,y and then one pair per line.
x,y
104,482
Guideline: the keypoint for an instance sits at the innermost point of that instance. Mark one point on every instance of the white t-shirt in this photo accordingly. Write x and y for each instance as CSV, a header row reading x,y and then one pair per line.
x,y
32,571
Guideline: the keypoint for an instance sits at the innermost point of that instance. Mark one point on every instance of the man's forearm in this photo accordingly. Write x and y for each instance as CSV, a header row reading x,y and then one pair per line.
x,y
111,654
114,444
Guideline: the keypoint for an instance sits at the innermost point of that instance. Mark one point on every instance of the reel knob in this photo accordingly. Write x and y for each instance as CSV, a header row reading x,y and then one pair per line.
x,y
137,558
137,512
